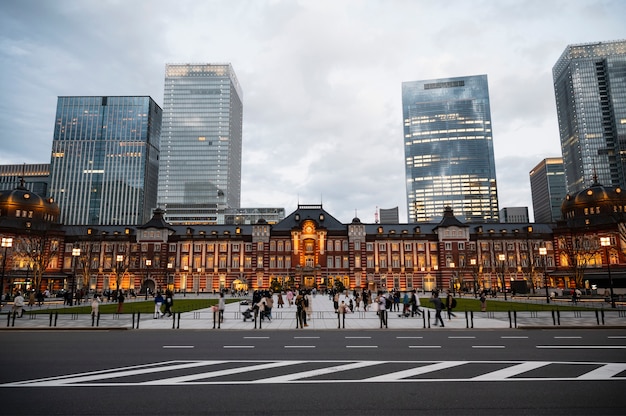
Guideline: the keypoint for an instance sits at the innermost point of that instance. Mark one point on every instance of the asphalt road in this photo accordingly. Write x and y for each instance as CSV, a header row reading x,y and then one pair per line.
x,y
486,372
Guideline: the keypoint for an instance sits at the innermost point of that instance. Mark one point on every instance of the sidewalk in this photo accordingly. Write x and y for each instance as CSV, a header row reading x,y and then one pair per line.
x,y
323,317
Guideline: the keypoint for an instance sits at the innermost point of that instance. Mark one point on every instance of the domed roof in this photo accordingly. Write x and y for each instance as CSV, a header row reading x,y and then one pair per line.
x,y
22,204
598,203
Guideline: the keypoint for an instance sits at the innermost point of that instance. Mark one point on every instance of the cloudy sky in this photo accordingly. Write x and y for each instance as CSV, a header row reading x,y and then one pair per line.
x,y
321,80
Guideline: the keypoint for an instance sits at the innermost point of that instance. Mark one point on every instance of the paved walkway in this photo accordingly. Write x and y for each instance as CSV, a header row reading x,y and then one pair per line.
x,y
322,317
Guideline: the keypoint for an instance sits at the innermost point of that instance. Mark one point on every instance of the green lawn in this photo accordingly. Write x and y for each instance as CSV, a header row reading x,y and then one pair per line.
x,y
180,305
471,304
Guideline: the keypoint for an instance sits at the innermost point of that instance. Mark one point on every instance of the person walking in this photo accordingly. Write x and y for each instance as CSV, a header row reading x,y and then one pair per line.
x,y
18,305
280,302
415,304
158,301
382,309
95,306
169,302
438,308
450,304
221,306
483,301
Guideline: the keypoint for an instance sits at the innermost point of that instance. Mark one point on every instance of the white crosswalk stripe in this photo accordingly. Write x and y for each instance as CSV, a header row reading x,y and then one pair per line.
x,y
252,372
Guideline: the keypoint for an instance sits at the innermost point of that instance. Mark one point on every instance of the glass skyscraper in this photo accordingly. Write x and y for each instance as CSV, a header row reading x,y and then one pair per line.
x,y
448,149
104,164
547,186
200,165
590,90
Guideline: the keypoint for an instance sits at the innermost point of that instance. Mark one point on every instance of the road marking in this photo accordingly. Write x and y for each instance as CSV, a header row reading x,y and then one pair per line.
x,y
403,374
256,337
583,347
409,337
510,371
617,337
238,346
604,372
324,372
424,346
461,337
177,346
514,337
361,346
573,337
316,373
488,346
306,337
358,337
299,346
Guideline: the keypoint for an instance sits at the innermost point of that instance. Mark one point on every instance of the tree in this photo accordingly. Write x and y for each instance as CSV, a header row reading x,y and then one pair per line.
x,y
577,252
39,251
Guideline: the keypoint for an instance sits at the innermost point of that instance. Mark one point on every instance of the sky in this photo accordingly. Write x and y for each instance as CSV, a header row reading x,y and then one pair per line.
x,y
321,80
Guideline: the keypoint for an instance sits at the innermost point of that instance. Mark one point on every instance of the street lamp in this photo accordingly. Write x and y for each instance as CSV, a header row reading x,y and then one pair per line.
x,y
148,264
543,252
6,243
75,254
502,258
474,273
606,242
119,259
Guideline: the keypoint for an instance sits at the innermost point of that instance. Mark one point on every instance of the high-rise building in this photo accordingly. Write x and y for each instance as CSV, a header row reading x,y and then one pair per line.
x,y
449,149
547,186
590,91
200,165
34,177
514,214
104,164
389,215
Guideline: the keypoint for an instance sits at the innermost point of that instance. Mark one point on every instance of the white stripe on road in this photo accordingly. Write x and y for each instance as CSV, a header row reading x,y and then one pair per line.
x,y
462,337
582,347
361,346
604,372
573,337
415,371
514,337
488,346
238,346
177,346
316,372
299,346
424,346
510,371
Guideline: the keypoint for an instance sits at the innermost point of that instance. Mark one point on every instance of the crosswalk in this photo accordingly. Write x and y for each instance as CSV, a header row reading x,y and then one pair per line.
x,y
251,372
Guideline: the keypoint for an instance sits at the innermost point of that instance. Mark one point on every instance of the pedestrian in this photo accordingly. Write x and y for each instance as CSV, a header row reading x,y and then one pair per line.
x,y
483,301
415,307
221,305
269,304
382,306
158,301
40,298
308,304
120,302
95,305
438,308
300,311
289,298
18,305
281,302
450,304
169,302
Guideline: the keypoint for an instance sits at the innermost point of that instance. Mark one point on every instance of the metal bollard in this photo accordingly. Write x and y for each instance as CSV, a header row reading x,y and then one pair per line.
x,y
133,325
558,317
466,320
515,318
510,322
472,318
178,325
553,319
214,314
56,318
602,314
50,319
597,317
138,317
429,318
8,319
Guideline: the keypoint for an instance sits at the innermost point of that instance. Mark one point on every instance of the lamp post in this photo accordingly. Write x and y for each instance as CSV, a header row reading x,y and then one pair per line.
x,y
6,243
148,264
118,263
75,254
606,242
502,259
474,274
543,252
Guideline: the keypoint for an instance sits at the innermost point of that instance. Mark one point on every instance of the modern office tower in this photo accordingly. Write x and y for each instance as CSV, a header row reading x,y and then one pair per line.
x,y
449,149
104,164
389,216
514,214
590,91
34,177
200,165
547,186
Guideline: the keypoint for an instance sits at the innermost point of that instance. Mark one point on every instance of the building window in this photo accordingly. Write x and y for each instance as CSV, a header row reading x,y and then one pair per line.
x,y
345,245
369,246
382,247
329,262
461,246
448,246
346,262
407,247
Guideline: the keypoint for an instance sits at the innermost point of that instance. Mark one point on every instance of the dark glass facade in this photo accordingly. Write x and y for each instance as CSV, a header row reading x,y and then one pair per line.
x,y
547,186
104,164
590,91
449,149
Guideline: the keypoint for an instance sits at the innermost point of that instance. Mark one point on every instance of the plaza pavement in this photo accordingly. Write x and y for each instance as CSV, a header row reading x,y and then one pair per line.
x,y
323,317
